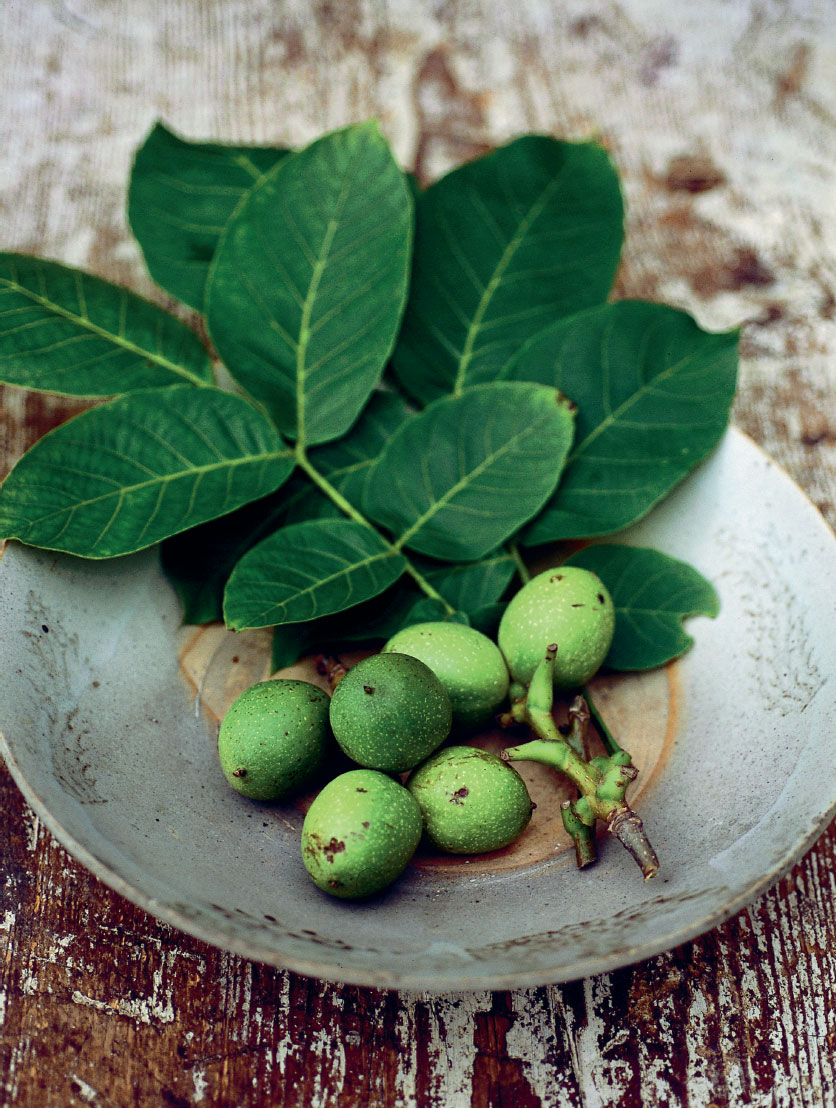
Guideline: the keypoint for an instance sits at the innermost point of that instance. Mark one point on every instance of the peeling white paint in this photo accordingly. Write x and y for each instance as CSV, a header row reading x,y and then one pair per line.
x,y
145,1010
200,1085
584,1045
28,984
454,1019
405,1035
330,1070
538,1040
33,828
85,1091
11,1078
78,997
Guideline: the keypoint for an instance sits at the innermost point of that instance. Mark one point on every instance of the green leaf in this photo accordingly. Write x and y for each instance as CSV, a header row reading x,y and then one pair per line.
x,y
372,621
348,462
379,619
122,476
180,197
305,501
291,641
376,621
456,480
413,184
503,247
400,606
66,331
653,394
652,593
198,562
428,610
309,570
472,585
309,282
487,618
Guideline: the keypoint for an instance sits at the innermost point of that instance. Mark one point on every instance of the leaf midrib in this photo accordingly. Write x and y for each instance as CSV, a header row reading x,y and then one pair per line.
x,y
305,328
670,612
87,324
614,416
305,333
323,581
466,480
488,293
164,479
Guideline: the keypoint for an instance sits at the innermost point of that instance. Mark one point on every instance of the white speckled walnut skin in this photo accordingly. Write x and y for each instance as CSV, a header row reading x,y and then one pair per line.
x,y
568,607
468,664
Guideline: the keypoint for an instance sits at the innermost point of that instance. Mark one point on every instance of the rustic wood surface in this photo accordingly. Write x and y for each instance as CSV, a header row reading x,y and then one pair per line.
x,y
722,119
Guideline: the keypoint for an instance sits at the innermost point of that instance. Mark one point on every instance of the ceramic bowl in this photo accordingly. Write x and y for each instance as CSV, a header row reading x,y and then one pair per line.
x,y
109,710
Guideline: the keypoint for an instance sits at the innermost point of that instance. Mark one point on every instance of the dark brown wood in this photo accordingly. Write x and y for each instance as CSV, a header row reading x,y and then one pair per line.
x,y
103,1005
722,121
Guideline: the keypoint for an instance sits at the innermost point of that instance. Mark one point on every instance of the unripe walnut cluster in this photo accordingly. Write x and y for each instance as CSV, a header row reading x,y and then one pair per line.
x,y
391,714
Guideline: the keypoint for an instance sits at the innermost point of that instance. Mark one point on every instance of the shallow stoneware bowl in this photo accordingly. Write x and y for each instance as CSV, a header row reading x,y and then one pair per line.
x,y
109,710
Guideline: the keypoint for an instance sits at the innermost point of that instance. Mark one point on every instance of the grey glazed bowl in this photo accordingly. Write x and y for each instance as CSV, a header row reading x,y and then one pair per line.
x,y
101,732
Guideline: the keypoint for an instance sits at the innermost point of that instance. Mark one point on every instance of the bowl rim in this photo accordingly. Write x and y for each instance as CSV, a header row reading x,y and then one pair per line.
x,y
590,966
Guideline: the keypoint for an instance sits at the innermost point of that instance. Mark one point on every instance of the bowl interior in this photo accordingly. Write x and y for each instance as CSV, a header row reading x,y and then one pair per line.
x,y
109,708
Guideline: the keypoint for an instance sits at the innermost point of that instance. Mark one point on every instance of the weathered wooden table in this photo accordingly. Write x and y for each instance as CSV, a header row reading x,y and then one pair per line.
x,y
722,119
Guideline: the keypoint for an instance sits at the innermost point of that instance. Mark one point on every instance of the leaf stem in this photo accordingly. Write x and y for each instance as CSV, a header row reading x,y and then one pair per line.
x,y
336,497
522,568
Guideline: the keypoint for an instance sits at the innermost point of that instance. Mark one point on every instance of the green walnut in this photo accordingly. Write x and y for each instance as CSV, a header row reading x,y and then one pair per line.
x,y
389,712
471,801
568,606
469,666
275,738
360,833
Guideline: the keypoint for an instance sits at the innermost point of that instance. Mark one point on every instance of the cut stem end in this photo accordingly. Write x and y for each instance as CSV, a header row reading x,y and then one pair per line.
x,y
629,830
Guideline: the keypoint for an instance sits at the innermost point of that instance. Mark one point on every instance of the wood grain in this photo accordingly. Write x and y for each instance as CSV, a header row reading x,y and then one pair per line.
x,y
722,119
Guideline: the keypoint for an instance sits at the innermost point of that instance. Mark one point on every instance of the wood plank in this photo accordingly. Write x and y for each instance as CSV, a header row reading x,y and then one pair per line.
x,y
721,118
